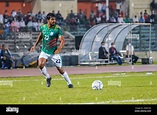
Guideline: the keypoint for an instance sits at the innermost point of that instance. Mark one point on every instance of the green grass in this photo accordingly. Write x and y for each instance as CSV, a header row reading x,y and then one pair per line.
x,y
119,88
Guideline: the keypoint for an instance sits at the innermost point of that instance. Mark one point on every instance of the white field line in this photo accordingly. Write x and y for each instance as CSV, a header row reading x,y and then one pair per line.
x,y
71,78
118,101
114,76
113,101
125,101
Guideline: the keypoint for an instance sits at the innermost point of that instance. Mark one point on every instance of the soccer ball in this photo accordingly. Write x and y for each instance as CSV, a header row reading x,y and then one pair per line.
x,y
97,85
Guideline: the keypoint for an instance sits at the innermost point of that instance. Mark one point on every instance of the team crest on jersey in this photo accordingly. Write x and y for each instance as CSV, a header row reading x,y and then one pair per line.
x,y
51,34
56,27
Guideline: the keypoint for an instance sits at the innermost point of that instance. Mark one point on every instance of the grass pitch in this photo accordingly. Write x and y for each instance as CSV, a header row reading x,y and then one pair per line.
x,y
119,88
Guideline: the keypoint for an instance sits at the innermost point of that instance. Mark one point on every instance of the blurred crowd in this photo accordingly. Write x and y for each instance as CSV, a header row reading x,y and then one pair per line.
x,y
17,21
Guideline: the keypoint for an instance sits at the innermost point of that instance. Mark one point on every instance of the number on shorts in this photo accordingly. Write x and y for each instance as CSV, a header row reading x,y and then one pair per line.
x,y
58,61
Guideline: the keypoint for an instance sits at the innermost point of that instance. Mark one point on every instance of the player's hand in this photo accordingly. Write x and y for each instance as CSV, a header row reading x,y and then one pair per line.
x,y
57,51
32,49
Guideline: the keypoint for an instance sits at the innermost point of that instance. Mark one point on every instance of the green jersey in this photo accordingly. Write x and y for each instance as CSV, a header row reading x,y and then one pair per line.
x,y
49,38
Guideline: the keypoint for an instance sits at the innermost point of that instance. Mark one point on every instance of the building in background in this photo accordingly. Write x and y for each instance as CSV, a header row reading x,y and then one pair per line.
x,y
9,5
129,7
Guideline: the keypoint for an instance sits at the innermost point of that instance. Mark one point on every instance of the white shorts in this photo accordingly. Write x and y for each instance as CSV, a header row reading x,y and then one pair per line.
x,y
56,58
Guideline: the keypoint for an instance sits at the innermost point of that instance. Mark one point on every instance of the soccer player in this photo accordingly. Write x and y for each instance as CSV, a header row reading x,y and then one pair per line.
x,y
50,33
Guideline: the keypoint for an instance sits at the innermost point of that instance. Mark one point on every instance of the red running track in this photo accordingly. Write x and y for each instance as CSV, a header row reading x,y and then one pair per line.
x,y
79,70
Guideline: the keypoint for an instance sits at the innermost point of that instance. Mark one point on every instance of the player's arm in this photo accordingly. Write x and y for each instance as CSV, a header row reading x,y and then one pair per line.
x,y
62,42
36,43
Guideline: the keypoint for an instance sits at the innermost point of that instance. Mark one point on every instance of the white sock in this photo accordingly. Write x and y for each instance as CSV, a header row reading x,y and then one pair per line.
x,y
66,77
44,72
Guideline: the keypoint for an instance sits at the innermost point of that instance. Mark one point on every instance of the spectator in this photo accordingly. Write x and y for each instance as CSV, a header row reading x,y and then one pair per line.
x,y
99,7
92,18
59,17
5,18
30,23
6,57
13,13
152,5
0,56
120,19
127,19
130,53
81,17
103,54
103,18
135,19
43,15
35,25
145,15
19,15
15,25
118,5
22,23
98,19
103,7
1,18
40,23
38,16
152,17
114,54
71,14
6,30
141,19
112,19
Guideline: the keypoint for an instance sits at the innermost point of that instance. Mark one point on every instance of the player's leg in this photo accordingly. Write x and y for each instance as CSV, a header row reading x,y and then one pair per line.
x,y
58,63
41,64
65,75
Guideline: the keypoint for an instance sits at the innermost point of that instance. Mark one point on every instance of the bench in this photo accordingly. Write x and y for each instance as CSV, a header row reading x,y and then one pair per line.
x,y
93,57
123,54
